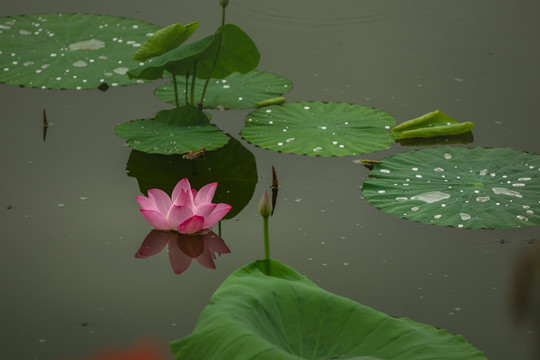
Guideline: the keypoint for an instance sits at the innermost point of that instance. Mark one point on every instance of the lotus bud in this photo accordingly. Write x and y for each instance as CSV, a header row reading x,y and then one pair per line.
x,y
223,3
265,205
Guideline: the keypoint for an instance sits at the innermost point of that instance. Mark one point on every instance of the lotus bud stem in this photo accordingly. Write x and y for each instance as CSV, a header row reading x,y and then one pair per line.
x,y
265,209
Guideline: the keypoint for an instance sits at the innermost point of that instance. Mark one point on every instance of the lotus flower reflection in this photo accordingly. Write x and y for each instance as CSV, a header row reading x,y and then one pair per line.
x,y
187,211
184,248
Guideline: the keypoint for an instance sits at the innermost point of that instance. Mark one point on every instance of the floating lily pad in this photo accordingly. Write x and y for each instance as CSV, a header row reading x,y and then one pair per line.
x,y
237,53
317,128
232,166
460,187
69,51
285,316
435,123
236,91
175,131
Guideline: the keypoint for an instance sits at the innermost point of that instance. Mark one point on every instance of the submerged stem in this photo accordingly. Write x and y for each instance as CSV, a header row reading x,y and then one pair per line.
x,y
220,40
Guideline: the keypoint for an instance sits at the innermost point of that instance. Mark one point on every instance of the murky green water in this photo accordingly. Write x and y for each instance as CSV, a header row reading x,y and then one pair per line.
x,y
71,226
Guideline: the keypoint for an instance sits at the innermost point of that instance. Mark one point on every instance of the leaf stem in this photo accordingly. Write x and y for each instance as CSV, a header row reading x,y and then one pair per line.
x,y
186,91
220,40
194,77
175,91
266,239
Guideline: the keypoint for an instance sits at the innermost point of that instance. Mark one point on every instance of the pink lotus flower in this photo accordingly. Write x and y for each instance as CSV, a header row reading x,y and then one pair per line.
x,y
184,248
186,211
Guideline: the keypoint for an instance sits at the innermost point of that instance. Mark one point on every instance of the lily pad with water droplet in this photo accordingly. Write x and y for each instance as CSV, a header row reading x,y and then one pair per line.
x,y
281,315
460,187
69,51
175,131
236,91
317,128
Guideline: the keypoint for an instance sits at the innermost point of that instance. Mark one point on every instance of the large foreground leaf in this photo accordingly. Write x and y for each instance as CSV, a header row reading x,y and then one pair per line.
x,y
461,187
69,51
286,316
175,131
316,128
236,91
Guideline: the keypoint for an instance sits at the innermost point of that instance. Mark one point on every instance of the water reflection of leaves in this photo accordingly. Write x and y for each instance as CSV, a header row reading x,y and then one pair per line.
x,y
526,285
233,167
465,138
525,291
184,248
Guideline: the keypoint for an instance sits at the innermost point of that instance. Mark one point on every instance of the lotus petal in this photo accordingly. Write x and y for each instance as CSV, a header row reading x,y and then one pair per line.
x,y
192,225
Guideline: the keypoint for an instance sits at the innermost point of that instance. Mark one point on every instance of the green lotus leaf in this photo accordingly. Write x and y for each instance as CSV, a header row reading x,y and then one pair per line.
x,y
285,316
236,91
238,53
435,123
317,128
232,166
459,187
175,131
69,51
164,40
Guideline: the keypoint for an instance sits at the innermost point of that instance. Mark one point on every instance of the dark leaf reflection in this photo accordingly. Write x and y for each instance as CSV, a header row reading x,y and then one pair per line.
x,y
184,248
525,291
465,138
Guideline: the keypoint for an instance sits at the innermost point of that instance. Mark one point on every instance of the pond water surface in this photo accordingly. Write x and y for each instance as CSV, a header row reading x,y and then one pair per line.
x,y
71,284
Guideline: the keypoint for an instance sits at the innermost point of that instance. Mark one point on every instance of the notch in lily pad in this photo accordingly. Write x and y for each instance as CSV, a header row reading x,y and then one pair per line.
x,y
435,123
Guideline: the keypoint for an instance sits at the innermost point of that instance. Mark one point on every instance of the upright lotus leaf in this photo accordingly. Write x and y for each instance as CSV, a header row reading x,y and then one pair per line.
x,y
177,61
460,187
232,166
316,128
435,123
175,131
164,40
236,91
69,51
238,53
285,316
